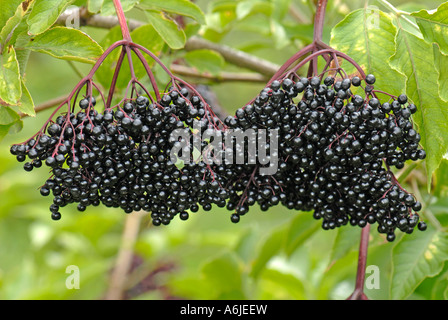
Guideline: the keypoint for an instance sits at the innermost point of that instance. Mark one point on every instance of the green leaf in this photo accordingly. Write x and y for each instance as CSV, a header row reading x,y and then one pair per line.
x,y
224,272
8,116
368,37
10,84
283,281
269,248
26,104
441,63
440,188
205,60
11,128
416,257
94,6
345,241
67,44
167,29
44,14
8,9
279,34
413,58
280,9
12,23
248,7
22,58
181,7
108,8
299,230
4,131
434,26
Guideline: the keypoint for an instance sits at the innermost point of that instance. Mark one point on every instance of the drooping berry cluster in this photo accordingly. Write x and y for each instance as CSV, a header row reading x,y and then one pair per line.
x,y
121,157
335,150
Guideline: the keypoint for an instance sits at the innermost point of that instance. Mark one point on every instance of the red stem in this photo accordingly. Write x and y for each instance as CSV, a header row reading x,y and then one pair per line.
x,y
319,20
358,293
122,20
114,78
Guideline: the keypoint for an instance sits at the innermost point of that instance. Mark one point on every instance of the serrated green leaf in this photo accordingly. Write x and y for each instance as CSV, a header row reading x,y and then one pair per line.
x,y
108,8
413,58
94,6
441,63
8,116
67,44
416,257
368,37
167,29
181,7
434,26
10,84
299,230
270,247
205,60
26,104
12,23
44,14
346,240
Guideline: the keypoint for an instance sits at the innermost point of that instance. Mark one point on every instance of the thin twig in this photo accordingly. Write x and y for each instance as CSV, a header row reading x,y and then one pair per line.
x,y
221,77
46,105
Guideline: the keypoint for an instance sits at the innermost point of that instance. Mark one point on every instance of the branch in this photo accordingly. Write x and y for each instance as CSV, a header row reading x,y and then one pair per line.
x,y
221,77
231,55
46,105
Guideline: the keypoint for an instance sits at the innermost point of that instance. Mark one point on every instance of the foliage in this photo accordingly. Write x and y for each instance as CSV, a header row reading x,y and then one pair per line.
x,y
279,254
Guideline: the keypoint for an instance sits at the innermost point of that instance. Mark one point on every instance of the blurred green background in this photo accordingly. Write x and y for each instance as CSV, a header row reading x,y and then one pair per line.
x,y
206,257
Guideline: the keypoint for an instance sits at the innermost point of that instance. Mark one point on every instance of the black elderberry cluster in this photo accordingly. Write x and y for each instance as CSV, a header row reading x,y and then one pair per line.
x,y
335,150
121,158
335,153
